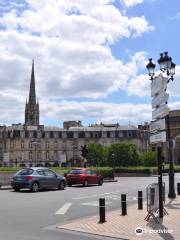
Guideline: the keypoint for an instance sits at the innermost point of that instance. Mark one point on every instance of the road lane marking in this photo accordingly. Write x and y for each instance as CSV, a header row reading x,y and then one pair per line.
x,y
64,208
94,203
94,195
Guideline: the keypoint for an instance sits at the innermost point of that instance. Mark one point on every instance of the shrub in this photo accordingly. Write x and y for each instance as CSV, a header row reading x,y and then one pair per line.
x,y
148,159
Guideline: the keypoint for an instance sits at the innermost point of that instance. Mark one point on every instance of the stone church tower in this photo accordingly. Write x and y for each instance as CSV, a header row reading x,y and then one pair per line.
x,y
32,107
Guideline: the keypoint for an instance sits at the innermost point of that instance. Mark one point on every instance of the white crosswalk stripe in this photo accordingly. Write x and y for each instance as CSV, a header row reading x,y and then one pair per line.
x,y
64,208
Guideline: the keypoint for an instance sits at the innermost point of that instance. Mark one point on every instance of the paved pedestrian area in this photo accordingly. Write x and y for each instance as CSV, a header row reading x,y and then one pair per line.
x,y
124,227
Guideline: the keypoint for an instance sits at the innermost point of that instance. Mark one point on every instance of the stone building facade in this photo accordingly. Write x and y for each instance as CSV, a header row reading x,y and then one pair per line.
x,y
174,118
174,124
34,144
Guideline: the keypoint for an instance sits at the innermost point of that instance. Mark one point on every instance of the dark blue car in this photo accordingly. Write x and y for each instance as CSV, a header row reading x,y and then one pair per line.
x,y
36,178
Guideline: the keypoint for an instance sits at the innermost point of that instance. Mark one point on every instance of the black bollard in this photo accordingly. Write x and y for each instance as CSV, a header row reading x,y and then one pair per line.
x,y
140,200
178,188
123,204
102,215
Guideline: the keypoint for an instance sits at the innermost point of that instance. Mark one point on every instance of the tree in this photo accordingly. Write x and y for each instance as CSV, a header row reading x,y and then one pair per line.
x,y
123,154
97,155
149,159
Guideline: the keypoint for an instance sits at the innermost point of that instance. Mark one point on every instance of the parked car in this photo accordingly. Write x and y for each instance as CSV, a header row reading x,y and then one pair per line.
x,y
36,178
83,176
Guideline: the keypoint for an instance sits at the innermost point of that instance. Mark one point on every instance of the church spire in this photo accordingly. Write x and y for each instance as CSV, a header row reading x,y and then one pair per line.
x,y
32,108
32,91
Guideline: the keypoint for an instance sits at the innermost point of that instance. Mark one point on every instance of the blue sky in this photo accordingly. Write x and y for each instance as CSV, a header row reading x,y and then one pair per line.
x,y
90,58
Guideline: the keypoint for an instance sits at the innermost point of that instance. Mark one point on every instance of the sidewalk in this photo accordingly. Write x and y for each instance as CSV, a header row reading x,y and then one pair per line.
x,y
123,227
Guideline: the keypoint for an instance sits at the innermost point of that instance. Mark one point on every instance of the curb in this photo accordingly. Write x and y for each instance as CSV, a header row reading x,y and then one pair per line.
x,y
110,180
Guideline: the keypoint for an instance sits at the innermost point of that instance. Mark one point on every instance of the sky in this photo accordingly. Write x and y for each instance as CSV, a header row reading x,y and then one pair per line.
x,y
90,58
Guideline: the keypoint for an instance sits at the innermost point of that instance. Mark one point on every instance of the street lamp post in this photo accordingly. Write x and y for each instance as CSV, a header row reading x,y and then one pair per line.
x,y
167,67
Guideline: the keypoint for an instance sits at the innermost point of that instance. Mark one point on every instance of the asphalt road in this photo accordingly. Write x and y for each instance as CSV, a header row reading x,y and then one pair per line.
x,y
34,216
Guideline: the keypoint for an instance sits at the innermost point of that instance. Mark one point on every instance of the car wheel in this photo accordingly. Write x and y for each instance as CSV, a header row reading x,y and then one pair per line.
x,y
61,185
85,184
16,189
35,187
100,182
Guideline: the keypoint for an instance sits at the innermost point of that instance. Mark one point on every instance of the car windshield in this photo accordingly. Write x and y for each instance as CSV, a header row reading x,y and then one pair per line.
x,y
27,171
77,171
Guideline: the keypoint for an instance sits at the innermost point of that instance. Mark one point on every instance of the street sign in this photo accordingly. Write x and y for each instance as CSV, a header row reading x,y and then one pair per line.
x,y
160,112
158,137
158,84
157,125
159,99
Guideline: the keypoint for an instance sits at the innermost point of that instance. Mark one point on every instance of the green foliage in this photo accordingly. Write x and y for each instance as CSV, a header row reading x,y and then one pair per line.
x,y
137,170
97,155
148,158
9,169
123,154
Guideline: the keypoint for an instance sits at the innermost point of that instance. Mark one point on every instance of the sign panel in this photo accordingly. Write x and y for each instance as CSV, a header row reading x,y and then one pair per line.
x,y
158,84
157,125
158,137
159,99
160,112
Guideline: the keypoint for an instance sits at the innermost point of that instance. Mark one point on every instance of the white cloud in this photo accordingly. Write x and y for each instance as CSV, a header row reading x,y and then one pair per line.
x,y
97,111
70,43
131,3
140,85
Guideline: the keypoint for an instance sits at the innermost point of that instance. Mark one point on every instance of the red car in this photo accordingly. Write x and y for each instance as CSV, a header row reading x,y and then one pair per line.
x,y
83,176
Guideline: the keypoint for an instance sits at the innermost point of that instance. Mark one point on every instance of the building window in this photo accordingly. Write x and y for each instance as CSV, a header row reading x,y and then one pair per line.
x,y
56,155
31,134
47,144
39,134
56,135
38,155
47,155
112,134
64,135
81,134
75,135
95,134
104,134
22,145
30,145
56,145
129,134
87,134
11,145
47,134
22,134
30,155
120,134
69,134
